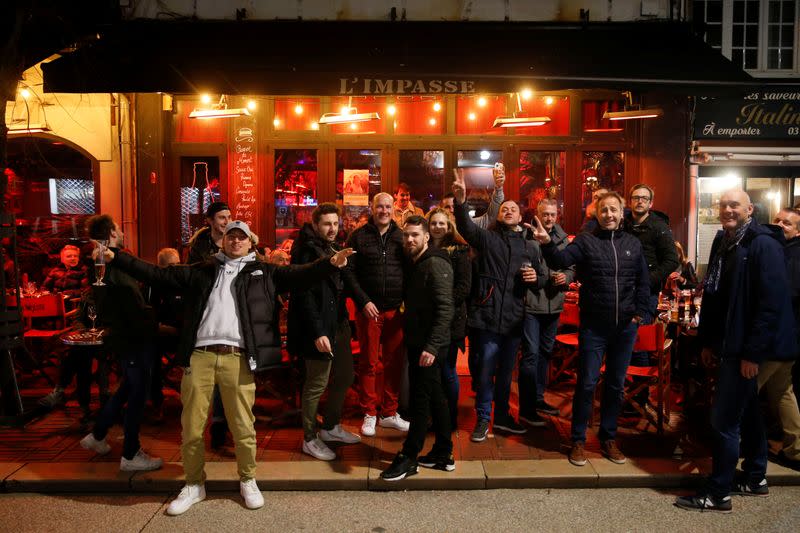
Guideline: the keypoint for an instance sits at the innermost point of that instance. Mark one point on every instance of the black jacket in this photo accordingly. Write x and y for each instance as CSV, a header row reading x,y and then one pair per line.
x,y
428,302
658,246
201,246
613,274
497,301
462,283
256,288
315,309
375,272
792,251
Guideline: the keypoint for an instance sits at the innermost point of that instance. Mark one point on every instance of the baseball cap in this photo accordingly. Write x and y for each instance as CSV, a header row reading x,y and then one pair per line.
x,y
240,225
215,208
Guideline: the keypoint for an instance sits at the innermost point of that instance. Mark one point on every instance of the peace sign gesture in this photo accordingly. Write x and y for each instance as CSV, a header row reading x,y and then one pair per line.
x,y
459,187
539,233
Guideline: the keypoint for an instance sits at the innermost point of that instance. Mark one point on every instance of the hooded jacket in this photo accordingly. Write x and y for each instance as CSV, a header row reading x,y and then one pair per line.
x,y
316,309
549,300
758,321
428,297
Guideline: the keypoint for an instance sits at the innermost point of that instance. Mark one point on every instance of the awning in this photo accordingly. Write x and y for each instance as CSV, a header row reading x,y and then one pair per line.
x,y
346,57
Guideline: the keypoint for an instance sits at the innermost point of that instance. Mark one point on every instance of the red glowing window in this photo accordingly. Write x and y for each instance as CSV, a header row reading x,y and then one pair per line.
x,y
475,114
592,115
556,108
418,115
359,105
296,114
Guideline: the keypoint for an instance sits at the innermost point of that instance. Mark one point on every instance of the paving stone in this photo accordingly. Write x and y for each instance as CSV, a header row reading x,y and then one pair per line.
x,y
538,473
467,475
651,472
69,477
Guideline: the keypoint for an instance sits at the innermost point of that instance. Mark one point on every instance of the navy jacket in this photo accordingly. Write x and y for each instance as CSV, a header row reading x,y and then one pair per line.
x,y
615,283
759,323
792,251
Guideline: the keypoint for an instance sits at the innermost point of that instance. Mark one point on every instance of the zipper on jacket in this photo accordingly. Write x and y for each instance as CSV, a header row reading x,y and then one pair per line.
x,y
616,281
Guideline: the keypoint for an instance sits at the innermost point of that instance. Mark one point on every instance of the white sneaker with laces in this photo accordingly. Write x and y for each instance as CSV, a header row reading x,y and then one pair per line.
x,y
368,427
395,422
189,495
100,447
253,499
317,448
339,434
141,462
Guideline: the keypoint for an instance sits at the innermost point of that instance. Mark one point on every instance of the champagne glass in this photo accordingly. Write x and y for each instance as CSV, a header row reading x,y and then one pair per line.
x,y
100,264
91,312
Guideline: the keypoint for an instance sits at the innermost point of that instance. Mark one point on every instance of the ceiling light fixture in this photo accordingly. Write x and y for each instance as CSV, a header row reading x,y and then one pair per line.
x,y
220,110
633,111
28,130
514,121
348,115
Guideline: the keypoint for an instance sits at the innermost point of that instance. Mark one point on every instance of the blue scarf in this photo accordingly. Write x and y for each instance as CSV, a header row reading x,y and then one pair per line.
x,y
729,242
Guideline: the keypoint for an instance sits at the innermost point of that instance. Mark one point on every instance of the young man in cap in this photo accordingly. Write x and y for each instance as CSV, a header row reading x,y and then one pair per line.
x,y
207,241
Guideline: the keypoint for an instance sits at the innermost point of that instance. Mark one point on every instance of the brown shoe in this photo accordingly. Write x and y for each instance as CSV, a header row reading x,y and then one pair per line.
x,y
611,452
577,455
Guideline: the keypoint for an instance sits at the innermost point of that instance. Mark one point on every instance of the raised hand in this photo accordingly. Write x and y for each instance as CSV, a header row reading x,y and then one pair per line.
x,y
459,187
107,252
539,233
499,175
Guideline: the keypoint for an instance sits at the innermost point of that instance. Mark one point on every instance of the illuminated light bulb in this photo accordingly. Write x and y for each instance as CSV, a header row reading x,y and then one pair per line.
x,y
482,101
314,126
251,105
353,126
345,110
485,155
526,94
548,100
471,116
25,93
205,98
391,110
276,122
437,106
432,122
298,109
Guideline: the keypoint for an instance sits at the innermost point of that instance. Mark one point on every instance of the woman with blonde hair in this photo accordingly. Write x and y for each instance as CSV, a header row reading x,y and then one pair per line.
x,y
684,275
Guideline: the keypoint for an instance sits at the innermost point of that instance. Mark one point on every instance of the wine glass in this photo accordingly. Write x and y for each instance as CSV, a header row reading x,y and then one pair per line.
x,y
91,312
100,263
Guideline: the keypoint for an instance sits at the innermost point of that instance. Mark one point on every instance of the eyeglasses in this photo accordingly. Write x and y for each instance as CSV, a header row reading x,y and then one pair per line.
x,y
640,198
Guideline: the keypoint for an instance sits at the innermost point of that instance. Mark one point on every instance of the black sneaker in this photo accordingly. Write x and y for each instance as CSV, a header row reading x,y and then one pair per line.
x,y
480,431
534,420
743,488
510,425
402,467
219,431
437,462
705,502
545,408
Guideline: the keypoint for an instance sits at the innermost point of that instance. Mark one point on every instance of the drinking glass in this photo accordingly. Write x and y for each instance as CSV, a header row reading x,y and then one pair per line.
x,y
91,312
100,264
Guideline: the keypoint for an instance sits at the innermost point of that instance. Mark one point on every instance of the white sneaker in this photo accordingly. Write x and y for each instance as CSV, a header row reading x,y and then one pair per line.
x,y
140,462
100,447
368,427
339,434
395,422
189,495
317,448
253,499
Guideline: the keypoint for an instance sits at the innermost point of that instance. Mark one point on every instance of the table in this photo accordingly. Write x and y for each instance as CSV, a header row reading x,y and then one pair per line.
x,y
83,337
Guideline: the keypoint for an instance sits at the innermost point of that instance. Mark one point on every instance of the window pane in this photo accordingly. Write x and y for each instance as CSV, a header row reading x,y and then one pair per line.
x,y
359,104
751,59
541,175
714,35
769,195
423,172
738,11
478,166
787,59
358,179
773,35
296,114
787,36
752,11
714,12
773,60
774,11
602,170
788,11
295,191
592,115
556,108
738,36
418,115
751,36
737,57
199,187
475,114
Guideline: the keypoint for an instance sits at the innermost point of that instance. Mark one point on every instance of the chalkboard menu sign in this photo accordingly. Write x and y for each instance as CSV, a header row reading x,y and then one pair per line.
x,y
244,185
768,113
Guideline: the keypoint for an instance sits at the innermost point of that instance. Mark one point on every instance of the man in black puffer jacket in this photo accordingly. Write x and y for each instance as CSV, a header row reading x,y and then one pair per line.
x,y
614,299
230,330
319,332
507,265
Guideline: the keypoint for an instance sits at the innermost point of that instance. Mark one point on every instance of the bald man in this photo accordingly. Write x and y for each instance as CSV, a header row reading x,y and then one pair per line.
x,y
746,324
374,280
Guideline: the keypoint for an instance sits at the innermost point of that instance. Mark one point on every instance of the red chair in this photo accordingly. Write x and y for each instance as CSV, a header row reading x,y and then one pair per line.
x,y
566,349
48,306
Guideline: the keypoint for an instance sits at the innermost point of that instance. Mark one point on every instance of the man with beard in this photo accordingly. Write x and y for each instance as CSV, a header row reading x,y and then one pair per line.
x,y
319,332
428,298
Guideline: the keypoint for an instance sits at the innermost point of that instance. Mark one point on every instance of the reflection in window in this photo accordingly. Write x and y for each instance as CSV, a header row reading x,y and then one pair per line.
x,y
423,171
602,170
478,177
769,195
541,175
418,115
296,114
295,191
358,179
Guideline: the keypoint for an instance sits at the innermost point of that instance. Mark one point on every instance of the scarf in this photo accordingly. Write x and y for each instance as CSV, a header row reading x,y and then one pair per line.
x,y
728,243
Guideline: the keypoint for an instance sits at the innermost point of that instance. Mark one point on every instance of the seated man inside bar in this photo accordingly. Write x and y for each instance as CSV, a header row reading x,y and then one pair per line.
x,y
70,277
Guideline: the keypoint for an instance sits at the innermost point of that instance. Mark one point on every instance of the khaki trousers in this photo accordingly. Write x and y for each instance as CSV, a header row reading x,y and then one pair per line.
x,y
237,389
775,378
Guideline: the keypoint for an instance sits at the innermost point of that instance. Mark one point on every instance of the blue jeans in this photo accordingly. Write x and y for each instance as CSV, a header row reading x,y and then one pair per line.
x,y
538,338
136,380
734,414
616,342
450,381
495,355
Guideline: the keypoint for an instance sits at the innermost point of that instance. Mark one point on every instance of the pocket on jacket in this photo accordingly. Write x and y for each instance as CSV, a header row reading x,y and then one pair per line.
x,y
484,296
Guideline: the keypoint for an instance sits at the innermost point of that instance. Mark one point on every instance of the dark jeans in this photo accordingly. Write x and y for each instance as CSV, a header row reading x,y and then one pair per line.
x,y
736,414
136,378
538,338
450,382
77,362
427,401
496,355
472,361
616,342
